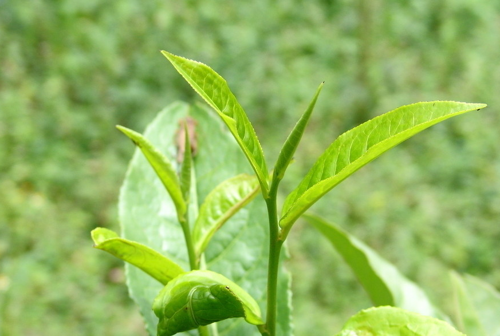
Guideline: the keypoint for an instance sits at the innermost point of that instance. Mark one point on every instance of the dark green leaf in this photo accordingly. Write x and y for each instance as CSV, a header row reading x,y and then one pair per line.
x,y
153,263
382,281
187,166
293,140
357,147
215,91
199,298
390,321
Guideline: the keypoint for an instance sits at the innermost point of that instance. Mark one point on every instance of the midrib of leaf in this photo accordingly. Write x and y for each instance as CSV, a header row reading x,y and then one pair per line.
x,y
357,147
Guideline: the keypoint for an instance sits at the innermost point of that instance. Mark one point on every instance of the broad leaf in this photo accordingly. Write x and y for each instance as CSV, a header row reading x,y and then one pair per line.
x,y
477,306
199,298
162,167
382,281
147,215
215,91
355,148
293,140
153,263
220,205
390,321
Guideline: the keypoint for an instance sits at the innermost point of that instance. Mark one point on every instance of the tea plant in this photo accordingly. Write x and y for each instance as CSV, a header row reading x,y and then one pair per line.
x,y
221,234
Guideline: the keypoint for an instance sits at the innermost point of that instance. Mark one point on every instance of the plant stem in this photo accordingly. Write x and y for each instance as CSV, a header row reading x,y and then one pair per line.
x,y
203,331
193,264
275,245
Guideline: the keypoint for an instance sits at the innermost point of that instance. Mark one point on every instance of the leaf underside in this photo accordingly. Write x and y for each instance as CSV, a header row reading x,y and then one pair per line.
x,y
357,147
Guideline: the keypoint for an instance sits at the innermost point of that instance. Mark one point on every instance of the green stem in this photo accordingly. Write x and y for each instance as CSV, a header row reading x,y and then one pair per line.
x,y
203,331
275,244
193,264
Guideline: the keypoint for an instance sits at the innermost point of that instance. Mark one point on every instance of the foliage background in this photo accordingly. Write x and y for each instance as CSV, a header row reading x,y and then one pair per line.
x,y
71,70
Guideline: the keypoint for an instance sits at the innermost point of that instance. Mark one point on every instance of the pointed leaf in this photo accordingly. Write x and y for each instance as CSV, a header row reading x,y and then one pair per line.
x,y
477,306
153,263
390,321
162,167
220,205
187,165
291,143
199,298
381,280
215,91
355,148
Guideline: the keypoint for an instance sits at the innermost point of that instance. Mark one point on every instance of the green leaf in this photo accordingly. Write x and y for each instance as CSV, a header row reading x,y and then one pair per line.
x,y
199,298
293,140
390,321
355,148
147,215
220,205
162,167
187,166
382,281
153,263
215,91
477,306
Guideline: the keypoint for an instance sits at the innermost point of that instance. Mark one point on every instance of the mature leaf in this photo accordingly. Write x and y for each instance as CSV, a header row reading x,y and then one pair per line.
x,y
215,91
220,205
199,298
477,306
390,321
147,215
291,143
162,167
381,280
153,263
355,148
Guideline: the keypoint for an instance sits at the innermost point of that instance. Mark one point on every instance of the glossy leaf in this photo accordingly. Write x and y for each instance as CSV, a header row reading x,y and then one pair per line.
x,y
355,148
162,167
147,215
477,306
215,91
199,298
220,205
382,281
293,140
390,321
153,263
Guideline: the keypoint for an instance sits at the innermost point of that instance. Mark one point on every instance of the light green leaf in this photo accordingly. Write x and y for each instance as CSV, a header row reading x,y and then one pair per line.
x,y
162,167
355,148
199,298
153,263
390,321
220,205
187,166
477,306
382,281
147,215
293,140
215,91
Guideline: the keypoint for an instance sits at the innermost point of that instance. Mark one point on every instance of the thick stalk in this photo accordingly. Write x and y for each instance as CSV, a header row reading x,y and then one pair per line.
x,y
274,258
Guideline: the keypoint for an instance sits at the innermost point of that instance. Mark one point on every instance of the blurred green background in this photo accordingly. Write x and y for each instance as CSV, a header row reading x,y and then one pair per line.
x,y
71,70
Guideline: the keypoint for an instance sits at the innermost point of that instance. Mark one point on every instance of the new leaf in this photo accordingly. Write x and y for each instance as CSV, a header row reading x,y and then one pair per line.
x,y
355,148
215,91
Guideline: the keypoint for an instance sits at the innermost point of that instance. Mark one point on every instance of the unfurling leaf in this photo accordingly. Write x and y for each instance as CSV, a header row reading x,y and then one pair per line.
x,y
357,147
293,140
390,321
220,205
199,298
382,281
163,169
215,91
153,263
